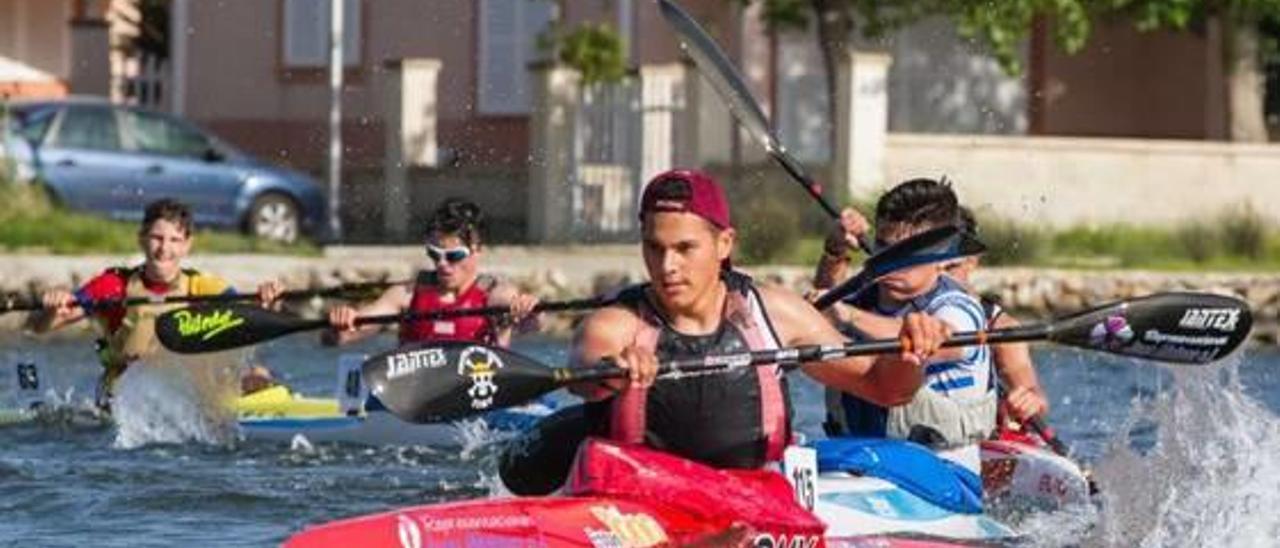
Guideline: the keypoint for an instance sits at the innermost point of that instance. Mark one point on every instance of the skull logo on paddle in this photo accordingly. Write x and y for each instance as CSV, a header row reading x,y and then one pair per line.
x,y
480,364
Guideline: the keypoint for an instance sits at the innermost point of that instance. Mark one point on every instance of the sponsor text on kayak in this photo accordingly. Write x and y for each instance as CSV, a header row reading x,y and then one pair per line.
x,y
639,530
782,541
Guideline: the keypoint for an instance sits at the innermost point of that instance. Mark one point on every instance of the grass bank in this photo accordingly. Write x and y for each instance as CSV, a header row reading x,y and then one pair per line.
x,y
30,224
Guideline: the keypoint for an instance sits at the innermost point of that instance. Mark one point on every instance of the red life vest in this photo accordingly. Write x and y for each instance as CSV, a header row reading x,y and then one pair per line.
x,y
427,298
738,418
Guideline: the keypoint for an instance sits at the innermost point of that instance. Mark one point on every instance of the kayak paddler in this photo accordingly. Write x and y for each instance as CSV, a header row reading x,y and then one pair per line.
x,y
165,238
695,303
455,245
955,409
1024,398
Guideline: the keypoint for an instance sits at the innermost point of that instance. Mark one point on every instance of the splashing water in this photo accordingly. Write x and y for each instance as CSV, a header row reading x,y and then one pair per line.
x,y
474,435
175,403
1211,478
299,443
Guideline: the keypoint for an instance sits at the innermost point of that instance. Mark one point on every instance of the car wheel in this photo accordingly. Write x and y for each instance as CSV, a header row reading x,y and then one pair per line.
x,y
274,217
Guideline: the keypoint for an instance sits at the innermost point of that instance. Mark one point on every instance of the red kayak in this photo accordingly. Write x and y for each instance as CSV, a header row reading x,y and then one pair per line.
x,y
617,496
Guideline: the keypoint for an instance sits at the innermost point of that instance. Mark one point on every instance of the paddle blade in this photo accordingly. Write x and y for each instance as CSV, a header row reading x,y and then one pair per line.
x,y
215,327
451,380
714,65
1187,328
939,244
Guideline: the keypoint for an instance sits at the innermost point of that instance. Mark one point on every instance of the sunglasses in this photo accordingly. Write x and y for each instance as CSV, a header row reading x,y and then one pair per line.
x,y
451,255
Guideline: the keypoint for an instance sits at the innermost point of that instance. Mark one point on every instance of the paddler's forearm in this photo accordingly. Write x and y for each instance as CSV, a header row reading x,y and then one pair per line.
x,y
831,270
885,381
896,380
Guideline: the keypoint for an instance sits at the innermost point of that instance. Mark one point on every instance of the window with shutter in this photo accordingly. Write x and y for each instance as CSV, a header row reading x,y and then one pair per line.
x,y
306,33
509,31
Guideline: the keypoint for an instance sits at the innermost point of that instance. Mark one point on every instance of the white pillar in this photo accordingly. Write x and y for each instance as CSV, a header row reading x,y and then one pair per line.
x,y
556,94
336,65
409,120
661,104
862,122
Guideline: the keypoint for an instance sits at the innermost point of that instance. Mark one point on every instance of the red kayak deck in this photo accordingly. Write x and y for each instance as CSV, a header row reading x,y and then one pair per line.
x,y
617,496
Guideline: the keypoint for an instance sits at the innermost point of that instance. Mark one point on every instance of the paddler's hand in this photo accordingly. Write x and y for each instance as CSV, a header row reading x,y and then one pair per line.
x,y
923,336
1026,403
60,303
641,366
269,294
846,234
522,305
342,318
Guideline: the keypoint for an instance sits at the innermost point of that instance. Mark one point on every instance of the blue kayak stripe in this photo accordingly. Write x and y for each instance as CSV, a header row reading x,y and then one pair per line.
x,y
290,424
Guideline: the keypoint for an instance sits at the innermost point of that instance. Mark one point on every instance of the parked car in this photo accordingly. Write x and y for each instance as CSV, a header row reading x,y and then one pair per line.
x,y
99,157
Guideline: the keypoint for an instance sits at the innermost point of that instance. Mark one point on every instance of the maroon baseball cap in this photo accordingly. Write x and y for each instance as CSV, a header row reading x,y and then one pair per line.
x,y
689,191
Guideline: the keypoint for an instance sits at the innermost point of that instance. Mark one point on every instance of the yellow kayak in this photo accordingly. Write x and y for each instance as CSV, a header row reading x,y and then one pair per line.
x,y
279,401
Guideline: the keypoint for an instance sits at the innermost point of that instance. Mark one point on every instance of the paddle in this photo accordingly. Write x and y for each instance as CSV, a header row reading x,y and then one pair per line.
x,y
446,381
200,329
11,303
212,328
725,79
939,244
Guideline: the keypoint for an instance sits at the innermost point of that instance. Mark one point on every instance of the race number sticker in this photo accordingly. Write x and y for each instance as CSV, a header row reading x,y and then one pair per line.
x,y
800,464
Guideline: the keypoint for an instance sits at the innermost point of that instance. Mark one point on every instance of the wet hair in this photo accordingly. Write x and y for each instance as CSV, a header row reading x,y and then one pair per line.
x,y
167,209
925,203
457,217
965,221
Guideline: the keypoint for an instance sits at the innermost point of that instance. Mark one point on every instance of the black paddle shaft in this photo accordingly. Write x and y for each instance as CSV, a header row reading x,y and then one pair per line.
x,y
451,380
794,356
11,303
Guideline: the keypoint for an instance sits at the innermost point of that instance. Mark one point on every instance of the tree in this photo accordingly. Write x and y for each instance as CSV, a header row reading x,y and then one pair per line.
x,y
1239,21
1003,25
595,50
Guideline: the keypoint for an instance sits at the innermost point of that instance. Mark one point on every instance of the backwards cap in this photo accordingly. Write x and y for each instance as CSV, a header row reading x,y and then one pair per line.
x,y
687,191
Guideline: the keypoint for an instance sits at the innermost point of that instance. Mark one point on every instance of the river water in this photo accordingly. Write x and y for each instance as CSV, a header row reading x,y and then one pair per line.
x,y
1185,456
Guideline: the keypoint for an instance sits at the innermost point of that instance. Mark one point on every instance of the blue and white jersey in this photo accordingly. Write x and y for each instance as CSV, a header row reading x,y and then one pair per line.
x,y
967,379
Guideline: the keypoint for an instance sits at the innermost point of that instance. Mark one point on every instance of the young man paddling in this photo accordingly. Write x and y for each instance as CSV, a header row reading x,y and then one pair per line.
x,y
128,333
455,245
695,304
957,406
1024,398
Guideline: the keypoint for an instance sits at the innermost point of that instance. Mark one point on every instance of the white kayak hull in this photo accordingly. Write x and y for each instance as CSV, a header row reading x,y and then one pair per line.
x,y
856,507
1019,476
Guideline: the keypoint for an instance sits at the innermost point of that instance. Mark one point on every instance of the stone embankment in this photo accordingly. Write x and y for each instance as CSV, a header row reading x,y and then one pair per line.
x,y
556,273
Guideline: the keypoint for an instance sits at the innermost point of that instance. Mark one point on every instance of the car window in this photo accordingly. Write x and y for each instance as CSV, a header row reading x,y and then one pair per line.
x,y
160,135
89,128
32,124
